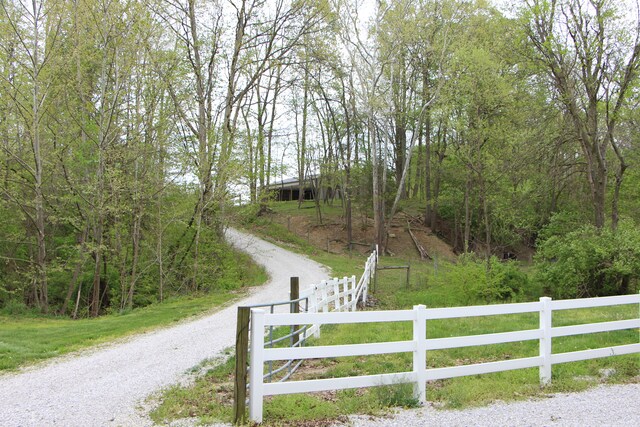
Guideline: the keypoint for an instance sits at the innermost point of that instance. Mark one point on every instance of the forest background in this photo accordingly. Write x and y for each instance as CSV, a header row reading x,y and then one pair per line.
x,y
127,129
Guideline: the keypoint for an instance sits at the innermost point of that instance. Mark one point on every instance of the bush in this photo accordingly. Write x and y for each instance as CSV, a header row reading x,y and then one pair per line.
x,y
589,262
14,307
478,280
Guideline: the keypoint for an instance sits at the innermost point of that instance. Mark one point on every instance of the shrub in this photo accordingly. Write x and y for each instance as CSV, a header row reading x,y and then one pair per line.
x,y
589,262
14,307
480,280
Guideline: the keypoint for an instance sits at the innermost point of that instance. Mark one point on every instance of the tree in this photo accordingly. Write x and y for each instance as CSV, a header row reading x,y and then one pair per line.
x,y
592,58
34,29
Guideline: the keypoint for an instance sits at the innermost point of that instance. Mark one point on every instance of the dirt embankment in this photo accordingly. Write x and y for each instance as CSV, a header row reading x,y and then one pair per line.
x,y
331,235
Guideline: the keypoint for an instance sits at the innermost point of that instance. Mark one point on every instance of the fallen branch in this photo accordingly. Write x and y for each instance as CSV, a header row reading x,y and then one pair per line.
x,y
423,252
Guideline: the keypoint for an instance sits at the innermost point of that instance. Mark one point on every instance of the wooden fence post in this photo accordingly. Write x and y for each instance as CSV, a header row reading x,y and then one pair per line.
x,y
420,354
408,273
242,349
257,366
545,341
294,295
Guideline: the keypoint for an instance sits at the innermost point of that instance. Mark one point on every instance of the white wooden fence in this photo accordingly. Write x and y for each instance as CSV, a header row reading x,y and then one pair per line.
x,y
420,345
338,295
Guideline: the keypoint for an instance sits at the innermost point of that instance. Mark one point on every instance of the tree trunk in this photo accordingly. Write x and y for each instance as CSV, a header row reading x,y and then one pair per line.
x,y
302,152
42,292
378,201
485,214
276,92
135,241
441,153
76,273
428,215
417,184
95,293
622,167
467,216
427,170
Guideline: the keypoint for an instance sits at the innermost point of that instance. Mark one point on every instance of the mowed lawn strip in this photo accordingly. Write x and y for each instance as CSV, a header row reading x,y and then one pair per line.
x,y
24,340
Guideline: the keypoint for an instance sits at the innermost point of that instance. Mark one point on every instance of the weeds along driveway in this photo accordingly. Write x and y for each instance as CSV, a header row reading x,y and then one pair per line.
x,y
106,386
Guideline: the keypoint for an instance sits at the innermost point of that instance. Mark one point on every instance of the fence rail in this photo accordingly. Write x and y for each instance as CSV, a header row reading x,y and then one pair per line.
x,y
420,344
334,295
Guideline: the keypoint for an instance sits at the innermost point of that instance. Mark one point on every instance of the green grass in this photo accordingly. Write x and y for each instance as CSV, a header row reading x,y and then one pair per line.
x,y
433,288
25,340
307,209
30,338
209,401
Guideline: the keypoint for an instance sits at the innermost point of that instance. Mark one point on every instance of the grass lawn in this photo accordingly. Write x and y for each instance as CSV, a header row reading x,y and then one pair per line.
x,y
24,340
29,338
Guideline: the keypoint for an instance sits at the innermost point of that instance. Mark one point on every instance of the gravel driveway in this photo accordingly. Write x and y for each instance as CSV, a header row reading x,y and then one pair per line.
x,y
614,406
104,387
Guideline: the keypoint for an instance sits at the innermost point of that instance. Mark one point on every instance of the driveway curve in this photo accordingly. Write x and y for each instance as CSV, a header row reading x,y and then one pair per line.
x,y
104,387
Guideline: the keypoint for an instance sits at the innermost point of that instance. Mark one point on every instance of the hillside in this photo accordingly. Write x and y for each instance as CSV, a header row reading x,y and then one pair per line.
x,y
331,234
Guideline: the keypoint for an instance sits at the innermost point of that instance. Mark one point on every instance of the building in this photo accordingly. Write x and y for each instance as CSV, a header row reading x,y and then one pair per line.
x,y
290,188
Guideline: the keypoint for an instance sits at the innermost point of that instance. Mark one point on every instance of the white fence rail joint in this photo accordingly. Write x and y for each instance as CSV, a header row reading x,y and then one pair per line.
x,y
421,344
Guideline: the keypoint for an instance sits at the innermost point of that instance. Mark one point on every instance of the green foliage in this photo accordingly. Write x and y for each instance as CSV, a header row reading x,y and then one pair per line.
x,y
473,280
14,307
589,262
396,395
247,214
560,224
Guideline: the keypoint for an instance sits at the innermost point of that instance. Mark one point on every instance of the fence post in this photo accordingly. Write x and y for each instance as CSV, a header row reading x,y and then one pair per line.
x,y
294,295
374,288
242,350
316,309
369,269
545,341
336,294
420,354
365,291
352,293
345,294
257,365
325,296
408,274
